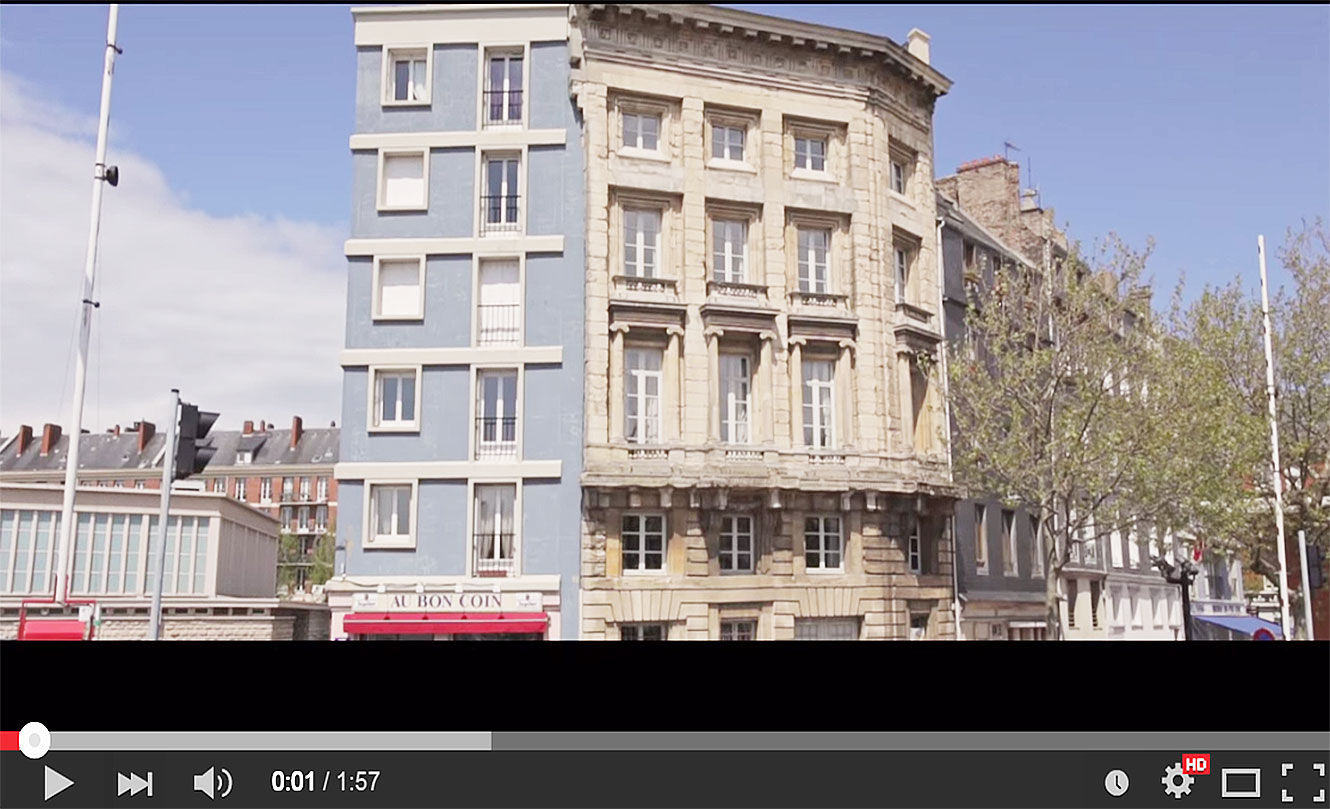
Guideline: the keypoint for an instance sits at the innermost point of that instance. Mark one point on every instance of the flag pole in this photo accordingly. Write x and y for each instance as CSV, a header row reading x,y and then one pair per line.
x,y
1274,445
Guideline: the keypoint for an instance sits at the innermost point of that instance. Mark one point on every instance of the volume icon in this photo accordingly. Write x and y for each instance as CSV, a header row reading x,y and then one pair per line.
x,y
132,783
211,781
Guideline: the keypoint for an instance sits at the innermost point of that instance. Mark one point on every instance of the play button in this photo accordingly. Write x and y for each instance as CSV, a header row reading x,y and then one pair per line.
x,y
56,783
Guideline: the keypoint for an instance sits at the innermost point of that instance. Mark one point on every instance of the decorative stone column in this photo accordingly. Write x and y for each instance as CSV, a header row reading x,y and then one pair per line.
x,y
714,415
764,394
672,402
797,391
845,383
614,407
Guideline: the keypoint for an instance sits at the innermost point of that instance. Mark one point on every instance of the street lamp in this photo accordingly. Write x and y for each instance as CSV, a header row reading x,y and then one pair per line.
x,y
1182,574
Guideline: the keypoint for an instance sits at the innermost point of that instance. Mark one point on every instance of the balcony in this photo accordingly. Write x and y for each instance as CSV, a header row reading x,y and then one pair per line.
x,y
498,214
499,324
754,294
496,436
820,300
503,108
492,567
648,454
645,284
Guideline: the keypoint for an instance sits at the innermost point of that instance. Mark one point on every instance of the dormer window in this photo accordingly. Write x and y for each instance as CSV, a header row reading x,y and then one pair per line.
x,y
244,456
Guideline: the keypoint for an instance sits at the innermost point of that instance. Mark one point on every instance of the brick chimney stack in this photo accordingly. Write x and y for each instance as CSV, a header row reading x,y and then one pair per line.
x,y
24,438
248,429
146,430
263,426
50,437
297,429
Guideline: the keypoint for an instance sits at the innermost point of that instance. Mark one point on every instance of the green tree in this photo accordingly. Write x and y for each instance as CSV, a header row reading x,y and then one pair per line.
x,y
1062,404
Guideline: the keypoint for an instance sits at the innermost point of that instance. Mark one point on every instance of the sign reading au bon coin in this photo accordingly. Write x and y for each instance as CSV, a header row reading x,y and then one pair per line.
x,y
447,602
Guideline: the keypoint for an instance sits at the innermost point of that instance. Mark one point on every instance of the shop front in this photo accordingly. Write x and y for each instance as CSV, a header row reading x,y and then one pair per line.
x,y
447,616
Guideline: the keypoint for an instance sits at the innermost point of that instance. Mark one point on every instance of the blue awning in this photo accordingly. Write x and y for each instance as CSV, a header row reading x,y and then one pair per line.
x,y
1245,624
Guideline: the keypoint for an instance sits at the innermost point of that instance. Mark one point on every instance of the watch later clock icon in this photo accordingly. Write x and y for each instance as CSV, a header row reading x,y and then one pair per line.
x,y
1116,783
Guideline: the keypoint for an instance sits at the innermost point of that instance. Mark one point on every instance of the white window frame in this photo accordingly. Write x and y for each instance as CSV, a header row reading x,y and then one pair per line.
x,y
398,425
634,149
727,144
634,385
381,195
738,626
304,488
321,489
219,485
810,138
640,243
898,176
499,448
505,226
981,538
817,628
265,490
902,257
724,255
728,549
482,337
506,52
376,312
819,417
373,540
390,55
823,535
736,395
813,282
516,522
641,551
244,457
639,628
239,489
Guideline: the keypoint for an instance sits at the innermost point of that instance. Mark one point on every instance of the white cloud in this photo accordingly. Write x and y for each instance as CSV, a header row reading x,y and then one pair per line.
x,y
244,314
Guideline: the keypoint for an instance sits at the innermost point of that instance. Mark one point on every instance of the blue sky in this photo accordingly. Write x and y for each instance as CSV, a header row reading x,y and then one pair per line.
x,y
1198,125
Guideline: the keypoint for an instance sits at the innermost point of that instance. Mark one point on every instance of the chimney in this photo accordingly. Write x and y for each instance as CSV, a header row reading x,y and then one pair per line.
x,y
249,428
296,425
146,430
50,437
263,426
918,44
24,438
1029,200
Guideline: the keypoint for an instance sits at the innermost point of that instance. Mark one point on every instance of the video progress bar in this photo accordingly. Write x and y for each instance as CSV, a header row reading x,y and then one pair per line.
x,y
686,741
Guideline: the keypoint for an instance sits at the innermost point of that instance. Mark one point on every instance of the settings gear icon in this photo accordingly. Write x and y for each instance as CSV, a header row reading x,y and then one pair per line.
x,y
1176,782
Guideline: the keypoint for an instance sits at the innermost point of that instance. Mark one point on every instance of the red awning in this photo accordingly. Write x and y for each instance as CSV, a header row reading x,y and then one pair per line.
x,y
49,629
444,623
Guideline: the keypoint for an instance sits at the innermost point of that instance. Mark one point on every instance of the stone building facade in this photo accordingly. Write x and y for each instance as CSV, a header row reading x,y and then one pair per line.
x,y
765,446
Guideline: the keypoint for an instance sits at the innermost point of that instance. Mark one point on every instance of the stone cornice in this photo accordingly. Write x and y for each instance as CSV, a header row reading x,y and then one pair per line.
x,y
808,41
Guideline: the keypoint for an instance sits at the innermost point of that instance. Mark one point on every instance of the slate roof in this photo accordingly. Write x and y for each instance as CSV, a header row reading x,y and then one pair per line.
x,y
317,445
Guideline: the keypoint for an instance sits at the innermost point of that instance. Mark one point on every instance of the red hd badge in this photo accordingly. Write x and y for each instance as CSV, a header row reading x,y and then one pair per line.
x,y
1196,763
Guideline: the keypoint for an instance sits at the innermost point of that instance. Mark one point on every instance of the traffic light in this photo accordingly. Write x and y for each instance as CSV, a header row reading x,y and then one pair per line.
x,y
190,455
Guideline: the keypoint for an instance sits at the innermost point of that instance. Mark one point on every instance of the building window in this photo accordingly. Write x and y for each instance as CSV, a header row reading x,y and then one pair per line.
x,y
498,204
395,399
304,488
499,303
810,153
1008,542
1094,604
494,529
981,538
822,543
28,545
643,539
826,629
320,518
244,457
919,626
265,490
503,89
240,489
814,267
735,384
641,131
738,630
404,180
288,489
321,489
408,76
641,242
219,485
303,519
902,264
914,551
185,568
729,250
727,142
1036,545
390,514
287,518
138,484
399,288
898,176
641,632
496,414
736,544
819,404
642,385
1071,603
